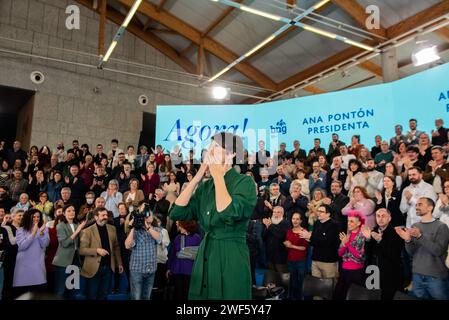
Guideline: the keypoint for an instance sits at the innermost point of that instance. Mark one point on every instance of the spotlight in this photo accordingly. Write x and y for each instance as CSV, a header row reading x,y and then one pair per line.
x,y
425,55
221,93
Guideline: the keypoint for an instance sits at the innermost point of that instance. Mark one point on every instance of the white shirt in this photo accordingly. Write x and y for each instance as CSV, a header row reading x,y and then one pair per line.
x,y
345,160
422,189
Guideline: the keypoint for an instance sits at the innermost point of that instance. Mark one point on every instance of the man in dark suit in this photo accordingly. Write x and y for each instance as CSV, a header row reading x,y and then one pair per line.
x,y
383,247
274,234
297,152
337,201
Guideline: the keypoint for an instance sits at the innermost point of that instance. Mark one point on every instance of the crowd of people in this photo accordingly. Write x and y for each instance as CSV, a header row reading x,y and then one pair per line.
x,y
329,213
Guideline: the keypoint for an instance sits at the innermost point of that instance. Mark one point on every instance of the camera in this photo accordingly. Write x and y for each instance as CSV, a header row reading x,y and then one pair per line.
x,y
140,216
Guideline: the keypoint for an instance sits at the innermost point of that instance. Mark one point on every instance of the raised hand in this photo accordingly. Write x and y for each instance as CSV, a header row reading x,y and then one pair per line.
x,y
403,233
366,232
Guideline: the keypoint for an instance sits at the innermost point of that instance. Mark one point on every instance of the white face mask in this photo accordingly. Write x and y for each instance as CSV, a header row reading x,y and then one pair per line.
x,y
89,201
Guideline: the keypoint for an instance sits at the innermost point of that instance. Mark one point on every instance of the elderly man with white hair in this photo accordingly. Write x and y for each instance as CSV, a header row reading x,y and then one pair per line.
x,y
274,234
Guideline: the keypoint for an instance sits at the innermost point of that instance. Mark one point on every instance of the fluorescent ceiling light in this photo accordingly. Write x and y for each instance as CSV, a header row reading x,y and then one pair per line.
x,y
425,56
220,93
131,13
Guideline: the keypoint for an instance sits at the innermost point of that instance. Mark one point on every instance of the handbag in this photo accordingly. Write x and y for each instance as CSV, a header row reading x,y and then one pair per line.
x,y
187,252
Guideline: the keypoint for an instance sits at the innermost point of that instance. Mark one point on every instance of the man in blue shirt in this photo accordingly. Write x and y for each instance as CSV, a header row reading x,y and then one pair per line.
x,y
143,241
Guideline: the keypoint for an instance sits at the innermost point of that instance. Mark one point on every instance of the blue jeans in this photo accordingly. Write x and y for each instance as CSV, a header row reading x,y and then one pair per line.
x,y
60,286
297,274
98,286
427,287
141,285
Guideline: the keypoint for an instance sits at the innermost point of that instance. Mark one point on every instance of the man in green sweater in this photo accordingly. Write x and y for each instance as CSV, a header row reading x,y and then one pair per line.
x,y
427,241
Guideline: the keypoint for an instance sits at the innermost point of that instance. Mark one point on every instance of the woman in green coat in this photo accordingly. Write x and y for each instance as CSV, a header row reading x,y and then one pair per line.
x,y
222,206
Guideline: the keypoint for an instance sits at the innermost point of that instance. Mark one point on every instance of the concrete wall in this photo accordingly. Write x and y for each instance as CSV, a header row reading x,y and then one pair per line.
x,y
65,105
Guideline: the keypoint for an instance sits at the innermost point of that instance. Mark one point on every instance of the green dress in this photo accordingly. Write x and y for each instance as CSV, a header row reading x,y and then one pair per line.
x,y
221,270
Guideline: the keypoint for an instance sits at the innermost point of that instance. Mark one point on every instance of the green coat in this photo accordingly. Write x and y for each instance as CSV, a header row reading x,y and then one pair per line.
x,y
221,270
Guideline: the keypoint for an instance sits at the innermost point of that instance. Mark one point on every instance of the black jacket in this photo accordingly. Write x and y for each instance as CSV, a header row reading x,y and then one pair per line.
x,y
300,206
342,175
386,254
397,218
325,241
337,204
274,237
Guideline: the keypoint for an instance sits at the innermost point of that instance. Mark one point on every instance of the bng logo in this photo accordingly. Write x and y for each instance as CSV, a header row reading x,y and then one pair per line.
x,y
280,127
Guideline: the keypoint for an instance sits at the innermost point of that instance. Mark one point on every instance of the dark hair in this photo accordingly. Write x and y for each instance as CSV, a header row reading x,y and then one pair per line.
x,y
99,145
85,145
412,148
64,209
27,221
340,184
129,147
170,173
114,140
415,168
189,226
327,207
317,139
162,218
412,119
399,145
356,162
429,201
393,179
58,219
299,214
395,170
97,211
75,141
357,136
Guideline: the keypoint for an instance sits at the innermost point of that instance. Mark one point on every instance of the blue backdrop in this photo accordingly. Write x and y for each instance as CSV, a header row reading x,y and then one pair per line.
x,y
366,111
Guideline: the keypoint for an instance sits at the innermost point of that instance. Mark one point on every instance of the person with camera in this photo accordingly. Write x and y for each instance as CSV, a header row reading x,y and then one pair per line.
x,y
181,257
142,241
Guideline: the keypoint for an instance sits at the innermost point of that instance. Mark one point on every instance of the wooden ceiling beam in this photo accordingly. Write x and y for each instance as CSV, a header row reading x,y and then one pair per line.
x,y
443,33
147,37
217,21
425,16
372,68
174,23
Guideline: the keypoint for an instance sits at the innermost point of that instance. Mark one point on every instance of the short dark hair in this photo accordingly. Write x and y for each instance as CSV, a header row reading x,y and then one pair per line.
x,y
327,208
317,139
429,201
114,141
340,184
75,141
97,211
412,119
415,168
412,148
129,147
